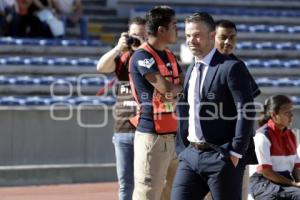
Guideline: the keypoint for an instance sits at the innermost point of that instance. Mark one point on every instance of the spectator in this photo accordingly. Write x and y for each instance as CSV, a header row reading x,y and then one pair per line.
x,y
31,25
9,17
116,60
155,80
211,140
278,171
225,42
71,13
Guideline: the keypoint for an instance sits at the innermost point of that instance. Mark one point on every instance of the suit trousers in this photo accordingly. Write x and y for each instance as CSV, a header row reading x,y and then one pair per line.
x,y
262,188
202,171
155,164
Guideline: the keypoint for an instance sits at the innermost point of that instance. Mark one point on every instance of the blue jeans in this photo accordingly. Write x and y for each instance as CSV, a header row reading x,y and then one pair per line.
x,y
123,143
83,25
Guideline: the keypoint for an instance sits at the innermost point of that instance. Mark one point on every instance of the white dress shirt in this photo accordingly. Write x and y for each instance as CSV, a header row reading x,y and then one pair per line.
x,y
195,130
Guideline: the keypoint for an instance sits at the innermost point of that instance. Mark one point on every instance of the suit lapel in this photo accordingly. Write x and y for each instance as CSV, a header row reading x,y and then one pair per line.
x,y
210,75
187,78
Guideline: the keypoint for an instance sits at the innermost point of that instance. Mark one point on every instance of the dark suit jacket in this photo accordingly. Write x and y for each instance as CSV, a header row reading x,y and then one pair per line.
x,y
226,88
250,155
254,87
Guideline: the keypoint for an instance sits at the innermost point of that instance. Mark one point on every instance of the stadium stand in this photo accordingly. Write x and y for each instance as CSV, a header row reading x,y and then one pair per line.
x,y
269,43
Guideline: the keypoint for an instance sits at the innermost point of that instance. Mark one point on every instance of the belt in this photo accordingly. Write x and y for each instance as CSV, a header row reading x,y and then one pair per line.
x,y
201,145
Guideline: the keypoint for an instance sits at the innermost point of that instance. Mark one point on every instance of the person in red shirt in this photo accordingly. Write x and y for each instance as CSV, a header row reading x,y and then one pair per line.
x,y
278,171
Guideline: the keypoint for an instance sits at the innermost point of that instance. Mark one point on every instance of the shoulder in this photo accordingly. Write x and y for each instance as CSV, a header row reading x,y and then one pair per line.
x,y
224,61
261,138
141,58
143,61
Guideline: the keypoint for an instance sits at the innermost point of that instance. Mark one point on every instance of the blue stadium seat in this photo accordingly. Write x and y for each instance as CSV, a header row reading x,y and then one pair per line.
x,y
47,61
292,64
294,29
278,29
49,42
92,81
48,80
272,63
11,101
285,46
25,80
46,101
265,46
265,82
242,11
258,28
245,45
254,63
4,80
86,62
15,60
242,27
286,82
296,100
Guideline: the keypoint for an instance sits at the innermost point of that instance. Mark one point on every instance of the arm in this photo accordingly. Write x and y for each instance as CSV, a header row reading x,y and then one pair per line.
x,y
268,173
106,63
238,83
38,4
50,4
168,89
262,150
296,174
77,11
56,6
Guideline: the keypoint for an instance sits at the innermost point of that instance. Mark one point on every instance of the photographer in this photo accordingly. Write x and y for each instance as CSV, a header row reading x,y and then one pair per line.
x,y
116,60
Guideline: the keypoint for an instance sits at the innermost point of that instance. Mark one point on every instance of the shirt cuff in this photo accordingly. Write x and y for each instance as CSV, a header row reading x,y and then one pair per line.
x,y
235,154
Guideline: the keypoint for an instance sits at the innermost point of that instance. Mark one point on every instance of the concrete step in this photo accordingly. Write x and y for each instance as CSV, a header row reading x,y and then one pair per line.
x,y
108,18
54,50
98,10
93,2
56,174
219,3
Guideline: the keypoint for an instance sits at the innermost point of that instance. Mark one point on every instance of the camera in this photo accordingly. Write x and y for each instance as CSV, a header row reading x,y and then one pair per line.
x,y
133,41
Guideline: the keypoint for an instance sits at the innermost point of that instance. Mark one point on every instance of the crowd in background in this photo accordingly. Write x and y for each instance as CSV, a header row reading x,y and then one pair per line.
x,y
41,18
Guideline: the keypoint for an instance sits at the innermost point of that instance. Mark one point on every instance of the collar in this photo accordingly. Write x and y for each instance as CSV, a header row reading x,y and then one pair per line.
x,y
273,126
207,59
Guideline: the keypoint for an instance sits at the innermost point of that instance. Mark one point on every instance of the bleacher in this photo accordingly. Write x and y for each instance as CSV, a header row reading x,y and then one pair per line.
x,y
37,74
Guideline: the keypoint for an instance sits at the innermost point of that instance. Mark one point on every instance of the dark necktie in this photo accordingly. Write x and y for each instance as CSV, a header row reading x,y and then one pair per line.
x,y
197,96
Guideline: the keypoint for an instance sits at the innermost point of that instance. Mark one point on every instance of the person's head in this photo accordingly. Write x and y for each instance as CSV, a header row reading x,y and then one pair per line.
x,y
279,108
200,33
225,39
161,23
137,28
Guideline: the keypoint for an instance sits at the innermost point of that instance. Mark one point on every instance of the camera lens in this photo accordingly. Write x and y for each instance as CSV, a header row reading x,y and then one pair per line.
x,y
132,41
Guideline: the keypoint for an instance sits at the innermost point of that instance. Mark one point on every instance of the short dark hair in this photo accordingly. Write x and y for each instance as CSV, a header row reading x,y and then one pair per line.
x,y
225,24
137,20
273,104
202,17
158,16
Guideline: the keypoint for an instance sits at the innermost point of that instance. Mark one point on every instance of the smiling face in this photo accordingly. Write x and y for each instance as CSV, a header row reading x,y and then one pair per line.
x,y
284,117
225,40
199,38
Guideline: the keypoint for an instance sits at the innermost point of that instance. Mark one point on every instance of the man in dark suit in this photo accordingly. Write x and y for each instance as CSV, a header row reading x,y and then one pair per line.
x,y
225,43
215,119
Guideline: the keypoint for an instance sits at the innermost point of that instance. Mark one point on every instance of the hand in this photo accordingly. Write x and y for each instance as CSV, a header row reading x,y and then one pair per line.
x,y
234,160
296,184
122,45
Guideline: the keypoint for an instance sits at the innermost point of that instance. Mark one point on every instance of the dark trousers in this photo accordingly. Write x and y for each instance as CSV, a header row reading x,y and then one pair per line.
x,y
202,171
262,188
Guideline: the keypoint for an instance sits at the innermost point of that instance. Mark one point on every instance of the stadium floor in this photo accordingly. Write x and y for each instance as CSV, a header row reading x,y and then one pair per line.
x,y
89,191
